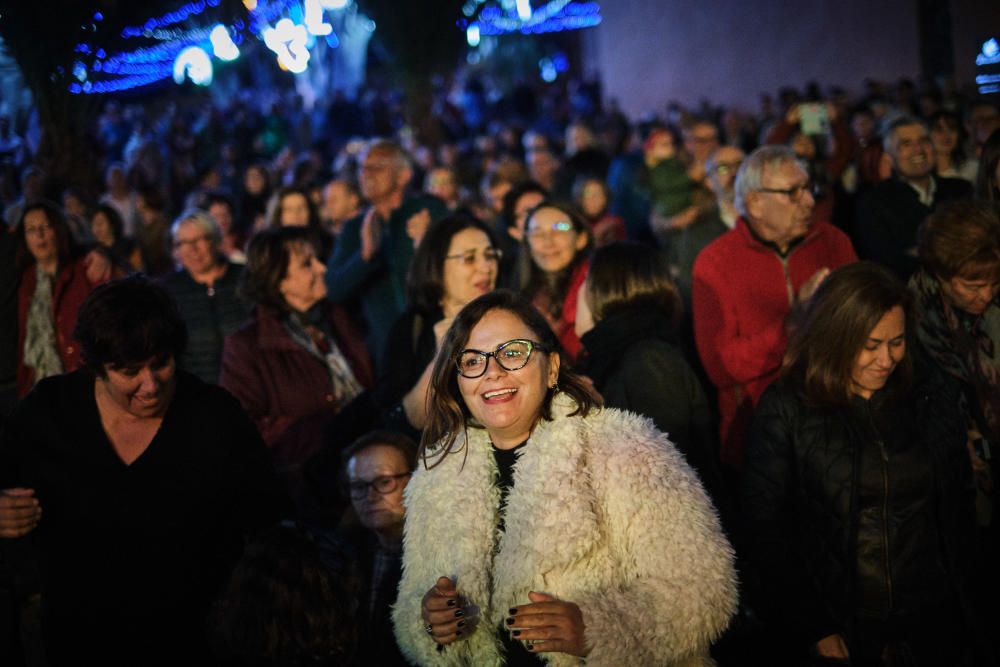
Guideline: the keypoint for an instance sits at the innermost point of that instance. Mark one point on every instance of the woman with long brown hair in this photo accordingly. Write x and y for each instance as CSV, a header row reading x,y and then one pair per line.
x,y
542,523
855,490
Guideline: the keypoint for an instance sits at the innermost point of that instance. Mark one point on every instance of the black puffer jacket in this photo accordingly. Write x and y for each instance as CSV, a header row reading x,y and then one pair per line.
x,y
866,507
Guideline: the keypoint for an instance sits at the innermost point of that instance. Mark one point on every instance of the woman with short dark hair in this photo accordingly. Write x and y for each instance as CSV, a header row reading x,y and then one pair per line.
x,y
541,523
855,489
149,479
299,360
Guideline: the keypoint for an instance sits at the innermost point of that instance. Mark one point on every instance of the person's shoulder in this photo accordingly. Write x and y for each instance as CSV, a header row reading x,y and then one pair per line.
x,y
205,397
953,188
720,248
53,397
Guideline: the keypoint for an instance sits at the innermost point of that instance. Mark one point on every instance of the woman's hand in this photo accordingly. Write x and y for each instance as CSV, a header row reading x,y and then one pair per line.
x,y
832,646
549,625
19,512
444,619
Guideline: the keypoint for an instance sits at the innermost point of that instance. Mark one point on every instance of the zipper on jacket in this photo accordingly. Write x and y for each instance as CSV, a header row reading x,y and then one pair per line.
x,y
885,503
788,279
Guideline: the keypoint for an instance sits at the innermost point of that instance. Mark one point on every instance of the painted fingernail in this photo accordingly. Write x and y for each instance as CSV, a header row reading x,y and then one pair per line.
x,y
452,602
516,633
458,633
459,613
510,621
461,624
512,611
530,647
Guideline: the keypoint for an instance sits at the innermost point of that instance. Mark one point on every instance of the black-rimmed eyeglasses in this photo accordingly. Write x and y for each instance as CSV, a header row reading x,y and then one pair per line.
x,y
511,356
383,484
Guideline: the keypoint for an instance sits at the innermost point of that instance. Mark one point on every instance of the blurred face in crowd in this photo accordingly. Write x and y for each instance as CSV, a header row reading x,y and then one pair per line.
x,y
973,295
74,206
804,147
542,165
723,166
382,176
254,181
524,204
102,230
470,269
880,354
863,125
340,203
660,147
223,216
303,285
442,184
386,467
553,240
496,194
701,140
593,199
143,390
781,217
194,249
911,152
984,119
116,180
294,210
944,136
40,237
507,403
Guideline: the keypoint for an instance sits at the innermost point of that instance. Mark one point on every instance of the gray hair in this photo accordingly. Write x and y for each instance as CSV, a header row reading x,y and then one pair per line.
x,y
902,120
396,152
203,221
750,177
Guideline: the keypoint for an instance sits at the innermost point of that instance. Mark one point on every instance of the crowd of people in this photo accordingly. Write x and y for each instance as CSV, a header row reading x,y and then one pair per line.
x,y
295,388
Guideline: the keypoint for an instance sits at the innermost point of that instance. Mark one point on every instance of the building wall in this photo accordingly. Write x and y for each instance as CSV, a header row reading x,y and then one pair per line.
x,y
648,52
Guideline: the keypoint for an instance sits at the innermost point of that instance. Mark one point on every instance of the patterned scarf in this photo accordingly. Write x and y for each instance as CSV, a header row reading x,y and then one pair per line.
x,y
313,333
963,345
40,353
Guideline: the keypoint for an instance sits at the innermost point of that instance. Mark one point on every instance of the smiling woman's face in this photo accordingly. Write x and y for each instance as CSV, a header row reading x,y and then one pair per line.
x,y
507,403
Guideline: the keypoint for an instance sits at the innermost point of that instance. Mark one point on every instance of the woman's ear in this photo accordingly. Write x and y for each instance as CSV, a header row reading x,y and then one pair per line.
x,y
554,361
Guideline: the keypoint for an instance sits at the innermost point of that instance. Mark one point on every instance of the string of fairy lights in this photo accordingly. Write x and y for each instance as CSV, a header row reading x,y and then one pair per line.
x,y
186,44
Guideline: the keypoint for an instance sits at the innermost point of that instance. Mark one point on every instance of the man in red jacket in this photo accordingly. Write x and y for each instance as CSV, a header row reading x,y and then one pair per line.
x,y
746,282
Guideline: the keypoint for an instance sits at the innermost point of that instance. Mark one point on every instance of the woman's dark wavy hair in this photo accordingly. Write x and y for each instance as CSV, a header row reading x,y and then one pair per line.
x,y
113,217
57,220
425,286
834,328
283,607
125,322
516,192
447,413
532,280
267,264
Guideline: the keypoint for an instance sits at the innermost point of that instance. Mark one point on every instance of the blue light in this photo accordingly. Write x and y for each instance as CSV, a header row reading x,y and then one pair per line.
x,y
98,16
472,35
222,44
524,9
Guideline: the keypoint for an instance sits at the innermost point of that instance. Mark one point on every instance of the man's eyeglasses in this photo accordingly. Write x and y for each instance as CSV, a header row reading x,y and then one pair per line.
x,y
491,255
794,193
511,356
180,243
555,229
726,167
382,485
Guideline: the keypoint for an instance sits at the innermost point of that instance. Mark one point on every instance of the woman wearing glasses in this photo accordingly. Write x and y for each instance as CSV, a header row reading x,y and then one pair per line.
x,y
457,261
541,523
553,265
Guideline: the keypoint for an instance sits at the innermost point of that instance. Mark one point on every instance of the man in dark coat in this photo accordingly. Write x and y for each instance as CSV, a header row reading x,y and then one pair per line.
x,y
891,212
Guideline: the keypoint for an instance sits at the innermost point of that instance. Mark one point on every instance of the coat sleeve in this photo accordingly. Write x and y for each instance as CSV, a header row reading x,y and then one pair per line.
x,y
346,271
731,354
678,586
767,506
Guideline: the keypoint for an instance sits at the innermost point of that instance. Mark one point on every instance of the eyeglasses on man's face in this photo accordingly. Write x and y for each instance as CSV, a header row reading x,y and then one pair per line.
x,y
795,192
491,255
511,356
383,484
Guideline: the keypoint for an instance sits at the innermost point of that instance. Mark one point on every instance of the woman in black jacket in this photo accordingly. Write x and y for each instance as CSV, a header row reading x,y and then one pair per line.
x,y
857,491
627,314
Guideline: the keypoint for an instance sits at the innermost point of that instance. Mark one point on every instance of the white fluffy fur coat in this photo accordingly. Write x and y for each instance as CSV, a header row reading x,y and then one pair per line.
x,y
604,512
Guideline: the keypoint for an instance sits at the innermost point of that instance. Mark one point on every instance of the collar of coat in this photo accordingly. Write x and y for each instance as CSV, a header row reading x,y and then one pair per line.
x,y
459,499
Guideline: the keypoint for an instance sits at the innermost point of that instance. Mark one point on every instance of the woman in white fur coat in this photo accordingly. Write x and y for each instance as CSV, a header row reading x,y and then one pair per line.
x,y
543,528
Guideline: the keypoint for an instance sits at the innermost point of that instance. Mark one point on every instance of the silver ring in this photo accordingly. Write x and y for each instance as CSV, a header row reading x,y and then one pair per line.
x,y
533,642
429,629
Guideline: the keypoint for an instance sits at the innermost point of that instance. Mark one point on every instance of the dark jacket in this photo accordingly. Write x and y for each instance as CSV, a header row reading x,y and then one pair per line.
x,y
864,509
889,215
211,314
285,388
